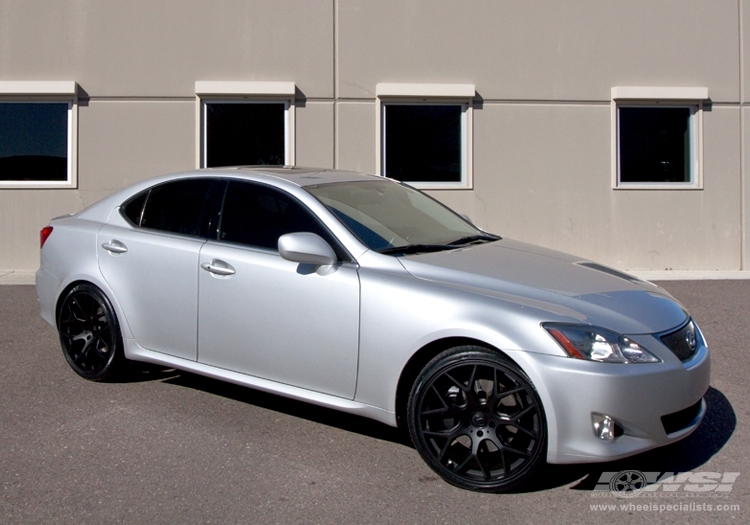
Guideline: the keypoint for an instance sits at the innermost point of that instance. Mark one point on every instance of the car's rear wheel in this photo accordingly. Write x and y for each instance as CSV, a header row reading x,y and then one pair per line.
x,y
89,333
476,419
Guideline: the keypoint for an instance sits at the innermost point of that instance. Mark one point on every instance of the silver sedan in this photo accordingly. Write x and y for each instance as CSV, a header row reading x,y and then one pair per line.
x,y
359,293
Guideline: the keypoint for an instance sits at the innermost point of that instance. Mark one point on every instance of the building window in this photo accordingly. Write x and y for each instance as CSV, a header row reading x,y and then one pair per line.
x,y
656,144
657,137
425,134
422,143
37,138
238,133
245,123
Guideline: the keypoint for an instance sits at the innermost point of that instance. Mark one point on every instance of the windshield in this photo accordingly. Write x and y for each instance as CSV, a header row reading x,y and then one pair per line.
x,y
393,218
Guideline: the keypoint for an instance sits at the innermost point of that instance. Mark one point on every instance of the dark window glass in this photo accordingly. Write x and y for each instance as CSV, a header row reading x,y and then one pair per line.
x,y
244,134
422,143
654,144
257,215
187,207
34,141
134,208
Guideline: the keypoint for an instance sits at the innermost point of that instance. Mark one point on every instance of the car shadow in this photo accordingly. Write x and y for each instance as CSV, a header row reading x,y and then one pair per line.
x,y
683,456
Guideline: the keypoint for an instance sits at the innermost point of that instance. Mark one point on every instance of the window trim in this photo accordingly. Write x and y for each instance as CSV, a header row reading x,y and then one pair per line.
x,y
249,92
40,92
462,95
692,98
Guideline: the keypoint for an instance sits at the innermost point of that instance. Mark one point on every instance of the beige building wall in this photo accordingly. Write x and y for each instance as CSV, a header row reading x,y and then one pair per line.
x,y
542,120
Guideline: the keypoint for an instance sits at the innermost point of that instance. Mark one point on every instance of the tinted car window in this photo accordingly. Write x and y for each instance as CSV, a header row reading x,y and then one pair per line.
x,y
133,209
187,207
257,215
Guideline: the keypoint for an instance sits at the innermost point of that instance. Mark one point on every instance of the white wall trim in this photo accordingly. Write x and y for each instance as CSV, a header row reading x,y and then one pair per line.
x,y
659,93
38,87
211,87
389,89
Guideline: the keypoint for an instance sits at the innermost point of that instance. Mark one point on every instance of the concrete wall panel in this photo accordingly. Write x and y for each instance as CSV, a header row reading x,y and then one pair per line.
x,y
147,48
355,136
123,142
22,214
540,50
314,138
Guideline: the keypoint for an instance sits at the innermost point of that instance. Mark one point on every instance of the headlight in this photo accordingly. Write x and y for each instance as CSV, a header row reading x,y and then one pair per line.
x,y
598,344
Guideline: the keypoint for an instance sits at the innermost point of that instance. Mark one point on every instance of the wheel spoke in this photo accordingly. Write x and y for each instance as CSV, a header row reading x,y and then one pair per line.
x,y
486,471
523,413
76,304
458,383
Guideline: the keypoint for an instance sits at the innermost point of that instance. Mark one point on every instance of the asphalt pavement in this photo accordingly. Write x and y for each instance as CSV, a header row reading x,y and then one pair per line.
x,y
170,447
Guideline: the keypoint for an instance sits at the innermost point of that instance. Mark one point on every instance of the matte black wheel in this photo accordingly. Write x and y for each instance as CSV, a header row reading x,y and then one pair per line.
x,y
89,333
477,420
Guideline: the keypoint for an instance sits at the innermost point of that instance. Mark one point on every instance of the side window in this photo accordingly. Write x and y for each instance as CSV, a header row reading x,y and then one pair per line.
x,y
133,209
186,207
256,215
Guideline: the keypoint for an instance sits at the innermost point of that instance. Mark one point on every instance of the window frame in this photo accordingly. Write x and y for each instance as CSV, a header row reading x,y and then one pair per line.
x,y
692,98
342,253
42,92
216,92
461,95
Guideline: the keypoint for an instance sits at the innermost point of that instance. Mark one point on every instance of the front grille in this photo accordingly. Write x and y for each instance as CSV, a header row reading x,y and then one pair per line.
x,y
680,420
679,342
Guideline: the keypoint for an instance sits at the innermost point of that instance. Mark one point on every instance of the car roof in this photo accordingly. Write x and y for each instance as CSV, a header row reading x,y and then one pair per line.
x,y
299,176
296,176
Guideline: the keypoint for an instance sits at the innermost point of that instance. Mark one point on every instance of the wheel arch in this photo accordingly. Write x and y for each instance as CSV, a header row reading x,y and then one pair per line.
x,y
104,288
63,294
419,360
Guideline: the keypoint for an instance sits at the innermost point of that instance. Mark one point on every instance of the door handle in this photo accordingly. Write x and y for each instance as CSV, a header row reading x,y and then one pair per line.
x,y
218,267
115,247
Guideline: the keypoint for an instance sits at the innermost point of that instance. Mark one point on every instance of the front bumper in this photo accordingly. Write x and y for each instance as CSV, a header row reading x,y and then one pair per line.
x,y
636,396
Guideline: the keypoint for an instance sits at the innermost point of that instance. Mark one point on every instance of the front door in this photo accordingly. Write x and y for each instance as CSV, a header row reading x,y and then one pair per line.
x,y
268,317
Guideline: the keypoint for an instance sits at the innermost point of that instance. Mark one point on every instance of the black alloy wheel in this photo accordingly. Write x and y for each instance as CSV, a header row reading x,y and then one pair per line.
x,y
477,421
90,333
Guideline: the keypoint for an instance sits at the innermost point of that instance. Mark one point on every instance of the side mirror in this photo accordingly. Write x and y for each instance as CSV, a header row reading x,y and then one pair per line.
x,y
466,218
306,248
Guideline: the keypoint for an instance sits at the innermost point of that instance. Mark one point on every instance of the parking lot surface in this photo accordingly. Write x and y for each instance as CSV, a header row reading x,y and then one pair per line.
x,y
171,447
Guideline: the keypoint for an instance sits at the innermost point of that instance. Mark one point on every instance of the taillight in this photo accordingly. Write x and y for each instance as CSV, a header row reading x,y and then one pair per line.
x,y
44,235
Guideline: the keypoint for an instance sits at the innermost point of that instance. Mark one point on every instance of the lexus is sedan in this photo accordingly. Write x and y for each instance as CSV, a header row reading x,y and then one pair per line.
x,y
362,294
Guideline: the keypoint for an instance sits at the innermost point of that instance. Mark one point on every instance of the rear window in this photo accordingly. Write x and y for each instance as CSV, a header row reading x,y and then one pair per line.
x,y
185,207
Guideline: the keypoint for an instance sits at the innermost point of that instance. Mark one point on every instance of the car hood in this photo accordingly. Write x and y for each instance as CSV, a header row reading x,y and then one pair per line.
x,y
564,287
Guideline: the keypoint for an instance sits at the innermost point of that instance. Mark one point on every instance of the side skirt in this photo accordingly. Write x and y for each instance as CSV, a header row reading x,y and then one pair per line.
x,y
137,353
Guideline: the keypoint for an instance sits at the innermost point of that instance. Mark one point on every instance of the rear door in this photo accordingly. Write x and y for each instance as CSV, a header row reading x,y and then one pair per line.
x,y
148,253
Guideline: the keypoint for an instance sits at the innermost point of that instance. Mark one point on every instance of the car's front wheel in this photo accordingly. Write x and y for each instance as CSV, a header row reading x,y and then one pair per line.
x,y
89,333
476,419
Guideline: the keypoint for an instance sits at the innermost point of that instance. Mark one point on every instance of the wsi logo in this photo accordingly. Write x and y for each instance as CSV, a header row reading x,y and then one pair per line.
x,y
631,483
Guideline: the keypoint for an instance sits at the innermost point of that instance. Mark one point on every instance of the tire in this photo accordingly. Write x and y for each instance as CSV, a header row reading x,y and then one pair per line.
x,y
477,421
89,333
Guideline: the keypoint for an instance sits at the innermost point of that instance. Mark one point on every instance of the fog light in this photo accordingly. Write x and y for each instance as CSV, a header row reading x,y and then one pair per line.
x,y
604,427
